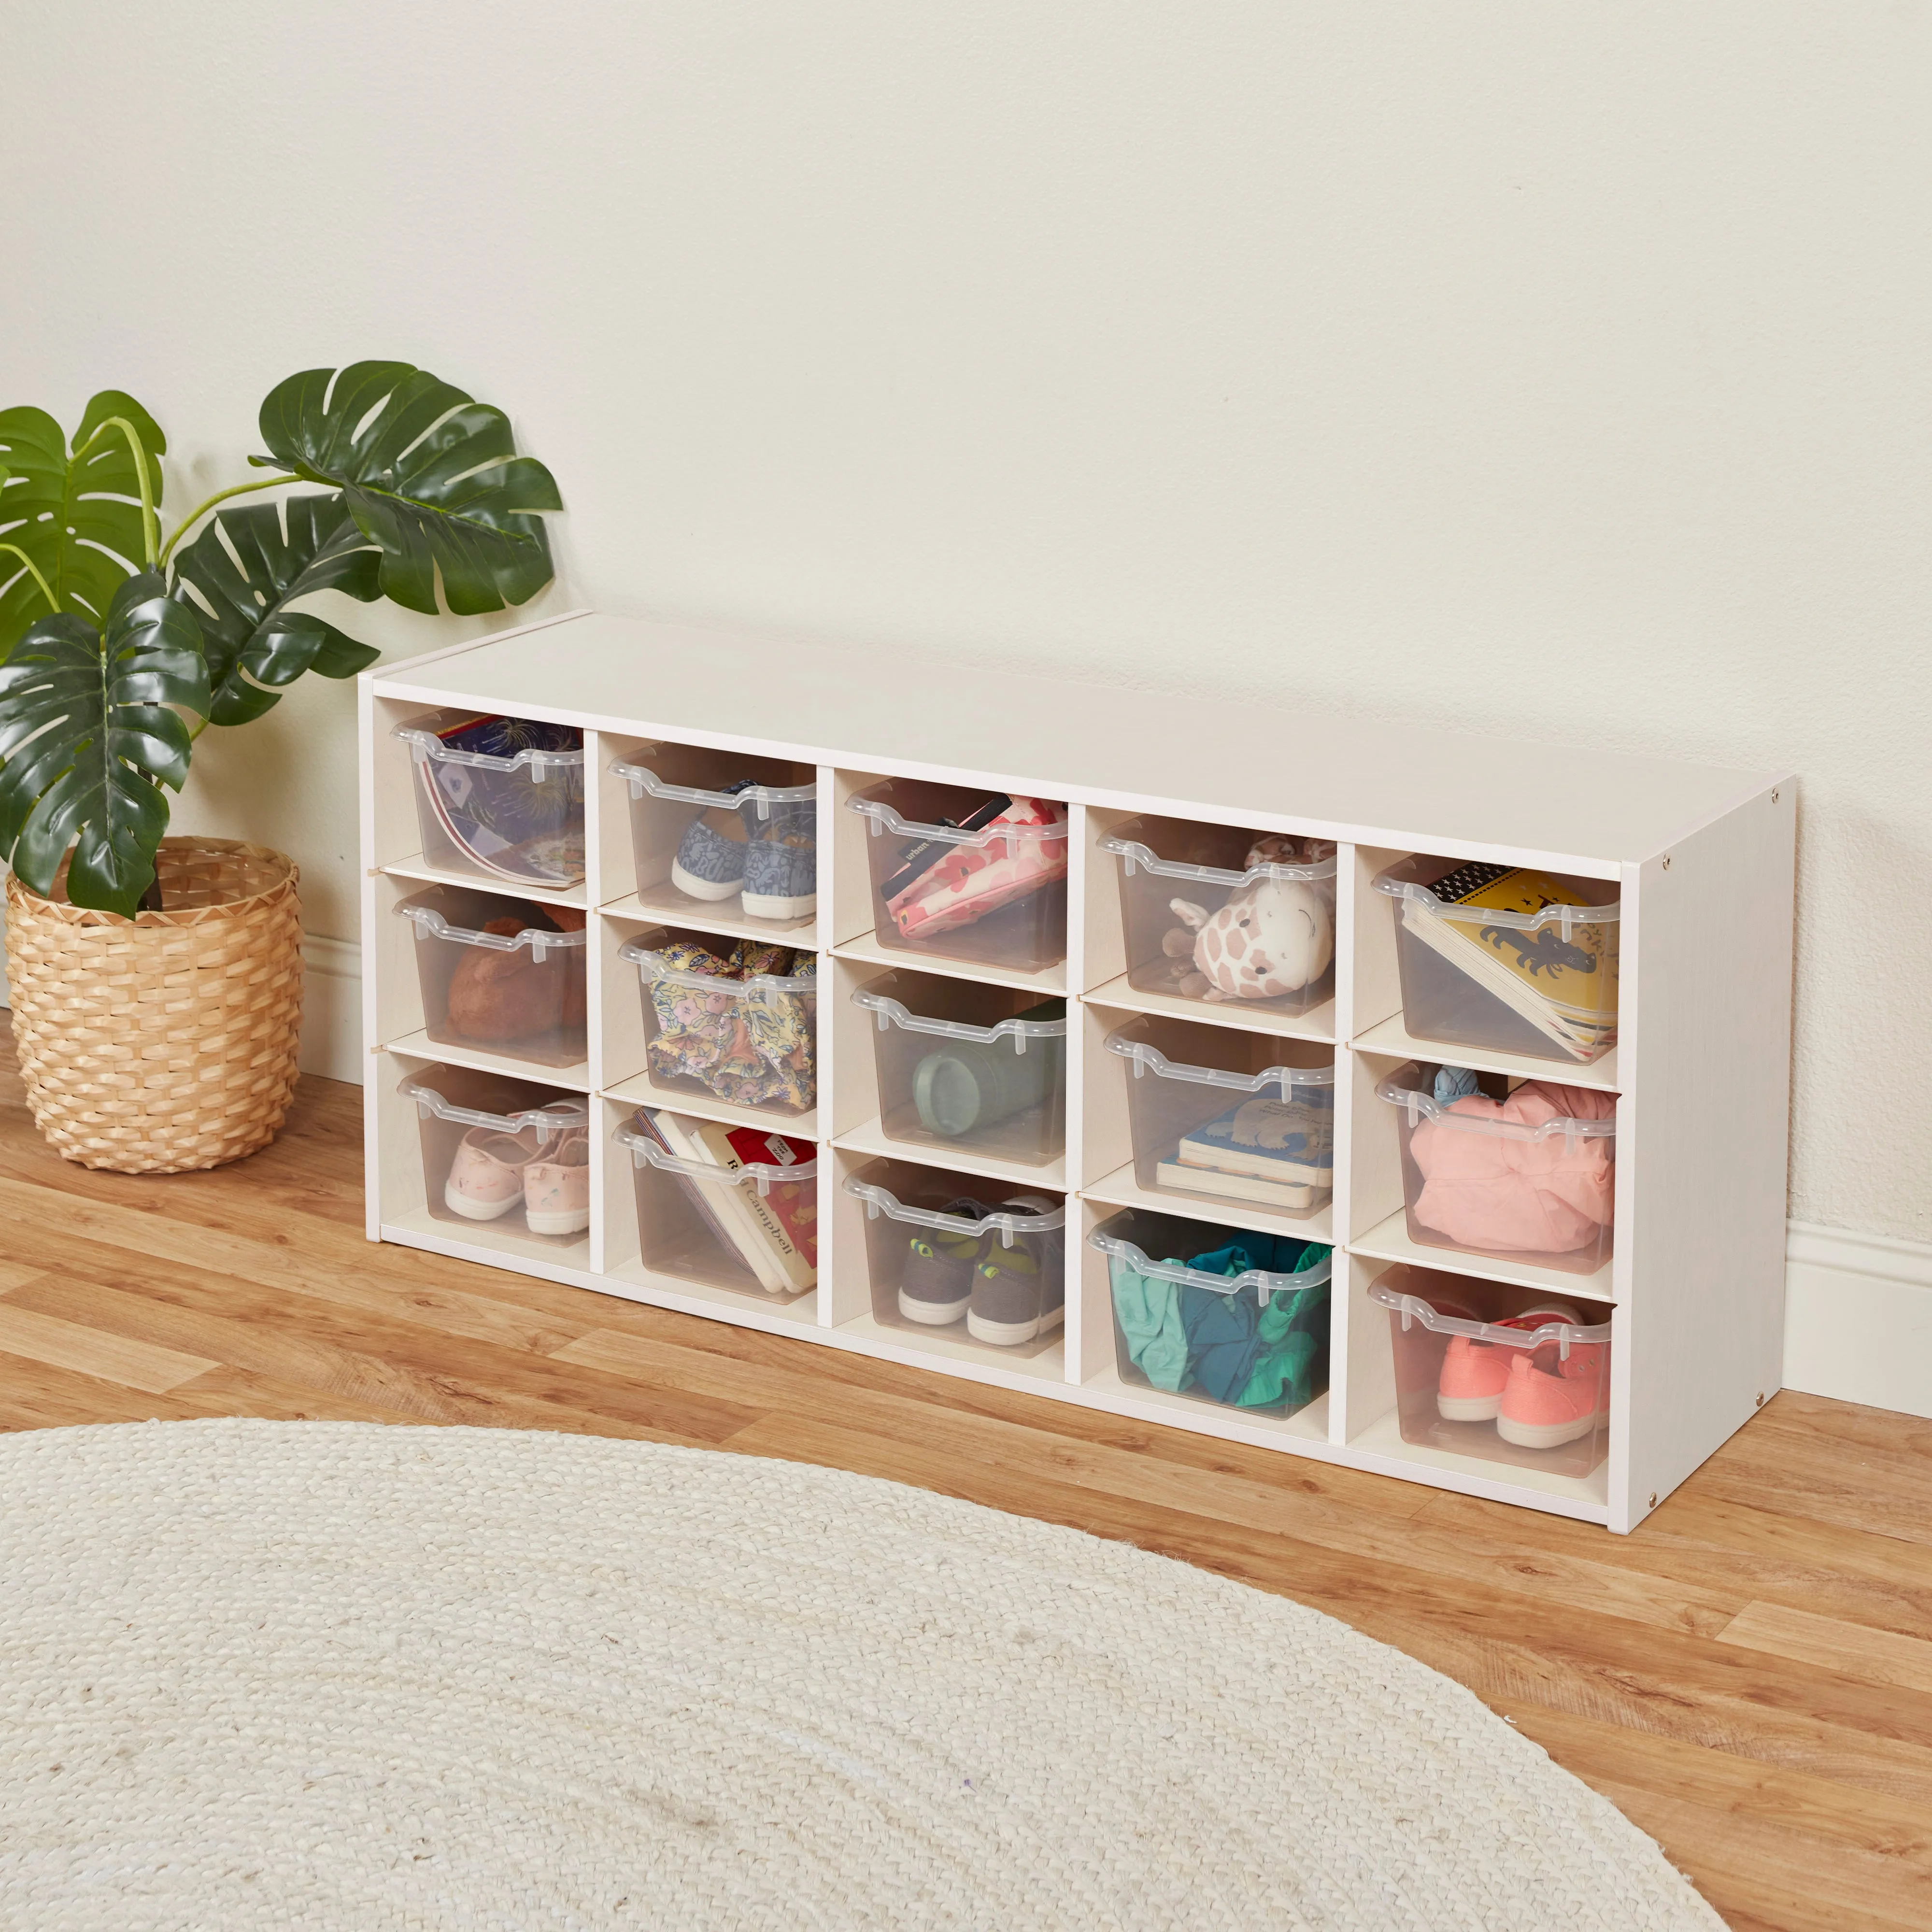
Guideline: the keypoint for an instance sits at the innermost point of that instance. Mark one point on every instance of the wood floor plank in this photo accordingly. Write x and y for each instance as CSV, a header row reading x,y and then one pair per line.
x,y
36,1395
46,1337
1745,1674
1883,1495
1892,1829
1695,1525
1829,1643
1733,1556
386,1364
231,1391
1800,1883
1321,1505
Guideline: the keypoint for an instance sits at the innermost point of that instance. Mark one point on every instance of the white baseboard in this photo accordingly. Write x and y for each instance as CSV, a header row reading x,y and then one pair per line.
x,y
1858,1310
1857,1317
331,1041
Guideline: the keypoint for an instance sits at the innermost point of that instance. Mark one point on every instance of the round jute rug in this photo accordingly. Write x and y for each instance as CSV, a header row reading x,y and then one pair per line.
x,y
323,1675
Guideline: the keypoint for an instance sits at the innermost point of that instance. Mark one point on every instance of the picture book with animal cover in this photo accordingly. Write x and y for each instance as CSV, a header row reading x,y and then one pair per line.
x,y
1272,1151
1564,982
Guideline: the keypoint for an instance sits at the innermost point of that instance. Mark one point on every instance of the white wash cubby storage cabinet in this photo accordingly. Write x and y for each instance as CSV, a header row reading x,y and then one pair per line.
x,y
1702,860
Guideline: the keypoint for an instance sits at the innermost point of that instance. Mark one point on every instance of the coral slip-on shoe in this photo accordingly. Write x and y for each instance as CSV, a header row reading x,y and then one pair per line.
x,y
1475,1373
1544,1407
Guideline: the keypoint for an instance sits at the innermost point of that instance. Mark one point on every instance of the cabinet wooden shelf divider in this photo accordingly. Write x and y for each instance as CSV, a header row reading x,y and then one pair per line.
x,y
1701,860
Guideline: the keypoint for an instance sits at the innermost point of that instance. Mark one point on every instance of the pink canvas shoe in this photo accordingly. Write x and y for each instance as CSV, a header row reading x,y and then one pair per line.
x,y
556,1186
486,1179
1474,1373
1543,1408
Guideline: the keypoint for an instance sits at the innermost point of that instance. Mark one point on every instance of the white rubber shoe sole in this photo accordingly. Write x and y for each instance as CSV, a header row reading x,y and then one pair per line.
x,y
571,1221
1546,1435
483,1211
931,1314
761,905
689,883
1011,1334
1469,1408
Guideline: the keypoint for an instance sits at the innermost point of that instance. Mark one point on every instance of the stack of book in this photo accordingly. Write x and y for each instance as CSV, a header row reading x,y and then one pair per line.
x,y
1279,1152
1563,981
774,1232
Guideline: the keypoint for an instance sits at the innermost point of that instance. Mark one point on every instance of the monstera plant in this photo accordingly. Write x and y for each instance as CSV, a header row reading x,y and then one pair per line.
x,y
117,649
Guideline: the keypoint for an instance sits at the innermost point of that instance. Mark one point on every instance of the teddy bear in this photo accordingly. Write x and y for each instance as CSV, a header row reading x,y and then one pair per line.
x,y
495,997
1274,936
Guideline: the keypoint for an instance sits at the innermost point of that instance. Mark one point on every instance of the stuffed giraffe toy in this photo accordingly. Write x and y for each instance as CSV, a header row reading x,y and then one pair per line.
x,y
1272,937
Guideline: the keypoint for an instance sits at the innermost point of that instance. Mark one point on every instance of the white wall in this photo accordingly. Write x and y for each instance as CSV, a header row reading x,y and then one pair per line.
x,y
1533,368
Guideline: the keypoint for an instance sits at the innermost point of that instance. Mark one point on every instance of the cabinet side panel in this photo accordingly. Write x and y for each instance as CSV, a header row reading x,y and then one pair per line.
x,y
1702,1136
365,785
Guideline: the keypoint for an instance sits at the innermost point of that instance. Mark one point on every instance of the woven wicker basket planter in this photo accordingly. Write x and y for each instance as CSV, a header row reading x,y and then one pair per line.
x,y
167,1041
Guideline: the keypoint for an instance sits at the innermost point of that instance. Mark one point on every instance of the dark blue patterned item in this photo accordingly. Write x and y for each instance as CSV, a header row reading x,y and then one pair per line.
x,y
509,793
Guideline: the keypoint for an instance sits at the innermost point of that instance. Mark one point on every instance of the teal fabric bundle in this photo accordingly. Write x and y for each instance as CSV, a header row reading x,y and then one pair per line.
x,y
1231,1347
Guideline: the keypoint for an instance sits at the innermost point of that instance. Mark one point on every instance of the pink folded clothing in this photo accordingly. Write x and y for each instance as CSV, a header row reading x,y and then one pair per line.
x,y
1517,1196
972,880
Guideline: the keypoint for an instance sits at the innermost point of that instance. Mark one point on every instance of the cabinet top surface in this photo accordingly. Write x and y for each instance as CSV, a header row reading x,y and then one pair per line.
x,y
869,710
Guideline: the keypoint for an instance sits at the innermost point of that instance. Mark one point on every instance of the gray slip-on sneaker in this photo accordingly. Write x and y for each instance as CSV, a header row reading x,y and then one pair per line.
x,y
1019,1288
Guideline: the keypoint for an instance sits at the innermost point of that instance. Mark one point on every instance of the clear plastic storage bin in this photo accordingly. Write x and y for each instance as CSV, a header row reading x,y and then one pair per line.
x,y
1526,1172
1506,958
500,798
1214,913
1240,1119
953,1254
1230,1317
967,874
732,1207
508,1153
504,975
724,829
738,1023
1510,1375
967,1066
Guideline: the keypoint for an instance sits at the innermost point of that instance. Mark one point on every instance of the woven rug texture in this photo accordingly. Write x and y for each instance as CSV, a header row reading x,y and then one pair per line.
x,y
338,1676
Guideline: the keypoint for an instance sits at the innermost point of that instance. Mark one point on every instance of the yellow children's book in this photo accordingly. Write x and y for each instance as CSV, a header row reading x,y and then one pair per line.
x,y
1559,974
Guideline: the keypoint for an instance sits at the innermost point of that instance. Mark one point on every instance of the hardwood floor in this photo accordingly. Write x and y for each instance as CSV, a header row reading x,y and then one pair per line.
x,y
1749,1676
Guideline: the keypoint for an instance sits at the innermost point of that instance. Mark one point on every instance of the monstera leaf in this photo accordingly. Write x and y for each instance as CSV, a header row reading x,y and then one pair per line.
x,y
250,636
87,740
73,525
431,477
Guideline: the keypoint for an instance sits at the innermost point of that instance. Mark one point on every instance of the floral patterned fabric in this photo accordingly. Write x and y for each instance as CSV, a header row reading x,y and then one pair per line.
x,y
755,1047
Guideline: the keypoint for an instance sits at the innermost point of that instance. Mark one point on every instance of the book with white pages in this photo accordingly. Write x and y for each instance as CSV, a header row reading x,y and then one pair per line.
x,y
723,1208
1283,1150
1285,1195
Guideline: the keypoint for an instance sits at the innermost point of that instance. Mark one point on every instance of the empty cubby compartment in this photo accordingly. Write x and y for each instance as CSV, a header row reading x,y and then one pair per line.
x,y
510,1153
731,1208
499,798
1497,1371
966,874
953,1253
1523,1171
1232,1118
724,828
503,975
1505,959
961,1064
1220,1314
736,1022
1214,913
